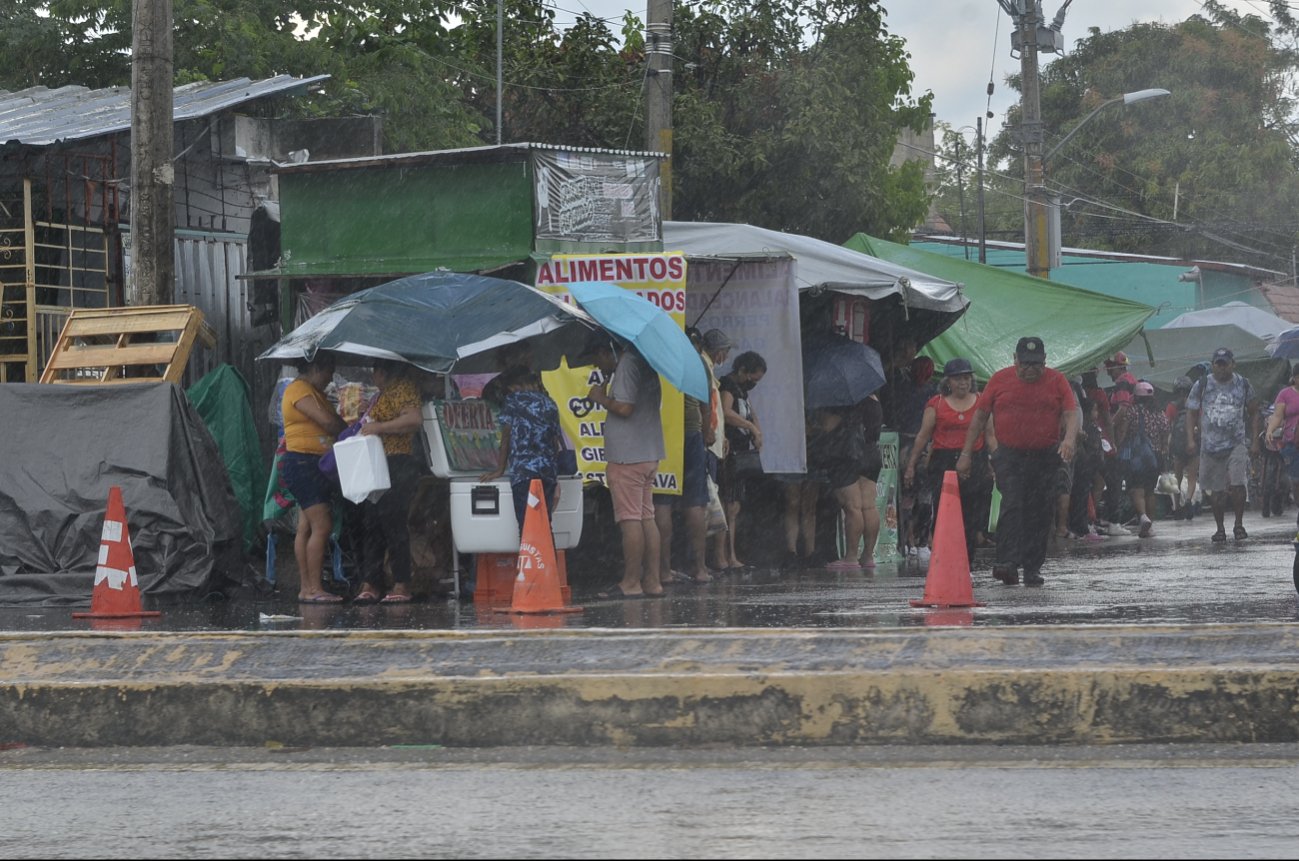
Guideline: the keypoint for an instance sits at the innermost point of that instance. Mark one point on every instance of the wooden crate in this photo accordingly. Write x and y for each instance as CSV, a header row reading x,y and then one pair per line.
x,y
140,344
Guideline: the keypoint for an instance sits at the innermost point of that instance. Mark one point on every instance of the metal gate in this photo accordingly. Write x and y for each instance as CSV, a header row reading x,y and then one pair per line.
x,y
46,270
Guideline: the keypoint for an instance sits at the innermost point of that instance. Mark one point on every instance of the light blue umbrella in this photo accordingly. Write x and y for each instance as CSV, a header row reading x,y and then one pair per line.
x,y
649,329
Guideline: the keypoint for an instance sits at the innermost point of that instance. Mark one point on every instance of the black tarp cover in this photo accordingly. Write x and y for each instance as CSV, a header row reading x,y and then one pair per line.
x,y
62,447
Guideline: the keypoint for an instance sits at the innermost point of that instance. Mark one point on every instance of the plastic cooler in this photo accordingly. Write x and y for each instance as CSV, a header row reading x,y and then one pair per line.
x,y
482,515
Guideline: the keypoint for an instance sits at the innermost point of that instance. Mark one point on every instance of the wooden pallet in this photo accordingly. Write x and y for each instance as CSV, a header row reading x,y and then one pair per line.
x,y
140,344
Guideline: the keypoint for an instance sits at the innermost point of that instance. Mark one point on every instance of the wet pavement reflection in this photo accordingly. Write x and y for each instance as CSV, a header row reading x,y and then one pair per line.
x,y
1178,578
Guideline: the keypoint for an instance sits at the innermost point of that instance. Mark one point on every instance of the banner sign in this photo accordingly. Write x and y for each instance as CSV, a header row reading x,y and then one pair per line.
x,y
596,197
660,278
756,304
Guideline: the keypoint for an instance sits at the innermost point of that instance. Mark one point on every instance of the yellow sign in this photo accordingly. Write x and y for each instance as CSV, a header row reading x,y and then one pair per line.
x,y
660,278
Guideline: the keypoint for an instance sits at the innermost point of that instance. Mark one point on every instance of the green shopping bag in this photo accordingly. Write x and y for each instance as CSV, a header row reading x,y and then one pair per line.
x,y
994,510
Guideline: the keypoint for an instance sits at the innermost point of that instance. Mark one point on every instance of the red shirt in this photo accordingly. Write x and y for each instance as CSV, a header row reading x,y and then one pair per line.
x,y
950,425
1027,415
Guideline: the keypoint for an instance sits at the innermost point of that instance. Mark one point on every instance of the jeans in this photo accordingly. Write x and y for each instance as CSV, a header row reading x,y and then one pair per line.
x,y
1027,481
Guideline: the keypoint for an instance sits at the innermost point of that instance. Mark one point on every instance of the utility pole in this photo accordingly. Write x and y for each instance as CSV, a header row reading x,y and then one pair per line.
x,y
153,267
1036,236
983,238
960,195
658,94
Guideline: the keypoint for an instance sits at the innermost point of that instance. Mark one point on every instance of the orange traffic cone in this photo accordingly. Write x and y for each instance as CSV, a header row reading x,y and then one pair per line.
x,y
537,587
117,592
948,582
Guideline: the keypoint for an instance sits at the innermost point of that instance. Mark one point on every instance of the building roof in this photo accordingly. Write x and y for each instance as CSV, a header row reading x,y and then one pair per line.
x,y
1284,299
39,116
513,152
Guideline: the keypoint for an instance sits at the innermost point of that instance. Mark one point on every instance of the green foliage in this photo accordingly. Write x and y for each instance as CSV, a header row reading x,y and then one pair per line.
x,y
1206,172
785,113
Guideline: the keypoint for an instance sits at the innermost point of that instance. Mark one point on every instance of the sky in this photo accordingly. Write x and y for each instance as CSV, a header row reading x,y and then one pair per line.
x,y
957,45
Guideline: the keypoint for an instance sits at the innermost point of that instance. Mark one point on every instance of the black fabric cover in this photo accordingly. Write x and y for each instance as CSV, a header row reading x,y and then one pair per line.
x,y
63,446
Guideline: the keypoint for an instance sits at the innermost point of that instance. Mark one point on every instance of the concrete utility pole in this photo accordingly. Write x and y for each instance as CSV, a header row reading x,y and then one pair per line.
x,y
153,267
658,93
1036,235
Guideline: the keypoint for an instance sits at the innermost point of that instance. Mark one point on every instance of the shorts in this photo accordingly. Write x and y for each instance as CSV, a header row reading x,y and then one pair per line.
x,y
303,478
842,472
694,475
1064,478
632,487
872,463
1223,469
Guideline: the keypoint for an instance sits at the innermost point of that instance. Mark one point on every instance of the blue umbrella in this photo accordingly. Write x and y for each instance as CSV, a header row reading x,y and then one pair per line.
x,y
440,321
1285,345
839,372
649,329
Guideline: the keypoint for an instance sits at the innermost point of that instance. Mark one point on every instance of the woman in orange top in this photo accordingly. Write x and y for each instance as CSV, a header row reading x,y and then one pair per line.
x,y
310,427
394,417
946,420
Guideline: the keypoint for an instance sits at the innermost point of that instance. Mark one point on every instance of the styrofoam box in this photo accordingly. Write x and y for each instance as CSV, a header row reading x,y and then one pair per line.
x,y
486,524
362,467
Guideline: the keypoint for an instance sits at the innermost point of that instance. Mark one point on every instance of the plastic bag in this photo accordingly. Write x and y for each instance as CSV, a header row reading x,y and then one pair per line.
x,y
716,513
362,468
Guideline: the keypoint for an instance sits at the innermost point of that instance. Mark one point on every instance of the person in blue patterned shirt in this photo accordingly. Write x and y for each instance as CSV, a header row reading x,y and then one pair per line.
x,y
530,439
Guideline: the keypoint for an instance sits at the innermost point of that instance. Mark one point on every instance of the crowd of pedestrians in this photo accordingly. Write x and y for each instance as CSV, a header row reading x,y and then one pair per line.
x,y
1037,456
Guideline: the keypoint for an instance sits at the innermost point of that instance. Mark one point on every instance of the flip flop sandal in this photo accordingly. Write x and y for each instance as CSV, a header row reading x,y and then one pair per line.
x,y
1219,537
366,597
395,598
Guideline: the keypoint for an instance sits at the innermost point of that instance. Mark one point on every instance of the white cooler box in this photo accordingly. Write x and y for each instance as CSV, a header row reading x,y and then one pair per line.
x,y
482,516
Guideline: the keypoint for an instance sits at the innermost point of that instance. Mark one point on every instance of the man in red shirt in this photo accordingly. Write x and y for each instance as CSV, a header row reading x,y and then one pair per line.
x,y
1036,416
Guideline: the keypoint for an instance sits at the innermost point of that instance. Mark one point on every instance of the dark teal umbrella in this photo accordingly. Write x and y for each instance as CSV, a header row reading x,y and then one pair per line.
x,y
839,372
439,321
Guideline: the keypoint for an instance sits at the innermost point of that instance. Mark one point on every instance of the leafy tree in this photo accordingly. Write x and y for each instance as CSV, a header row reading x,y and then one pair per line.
x,y
789,135
785,114
1206,172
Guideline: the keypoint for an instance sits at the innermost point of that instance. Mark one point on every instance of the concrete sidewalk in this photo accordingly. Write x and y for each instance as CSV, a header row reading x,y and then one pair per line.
x,y
1167,639
1025,685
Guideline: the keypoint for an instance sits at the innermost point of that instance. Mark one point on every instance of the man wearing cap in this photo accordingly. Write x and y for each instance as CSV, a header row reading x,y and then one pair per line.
x,y
633,447
1035,414
1223,409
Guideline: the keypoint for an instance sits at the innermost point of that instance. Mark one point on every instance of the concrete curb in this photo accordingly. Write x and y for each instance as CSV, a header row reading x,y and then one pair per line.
x,y
1026,685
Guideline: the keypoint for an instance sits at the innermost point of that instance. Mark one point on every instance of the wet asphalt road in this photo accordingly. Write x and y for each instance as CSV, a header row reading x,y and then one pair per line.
x,y
1142,801
1178,576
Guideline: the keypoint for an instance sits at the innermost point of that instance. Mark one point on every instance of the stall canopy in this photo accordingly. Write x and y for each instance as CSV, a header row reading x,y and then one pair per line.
x,y
1253,320
922,304
1080,328
1160,356
66,446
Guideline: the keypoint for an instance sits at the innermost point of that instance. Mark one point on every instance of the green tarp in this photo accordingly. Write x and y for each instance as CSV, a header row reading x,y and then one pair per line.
x,y
221,399
1080,328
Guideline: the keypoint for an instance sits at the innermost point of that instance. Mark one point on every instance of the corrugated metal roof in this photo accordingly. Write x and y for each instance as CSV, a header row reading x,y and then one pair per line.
x,y
465,155
39,116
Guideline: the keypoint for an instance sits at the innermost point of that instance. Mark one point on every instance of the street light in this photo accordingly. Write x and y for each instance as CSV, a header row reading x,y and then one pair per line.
x,y
1036,243
1126,98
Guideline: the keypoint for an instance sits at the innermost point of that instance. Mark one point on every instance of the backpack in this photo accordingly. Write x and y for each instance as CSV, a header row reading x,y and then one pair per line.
x,y
1137,452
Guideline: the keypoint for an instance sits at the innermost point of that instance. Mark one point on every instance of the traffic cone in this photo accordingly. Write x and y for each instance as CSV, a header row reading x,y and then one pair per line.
x,y
117,591
537,586
948,582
